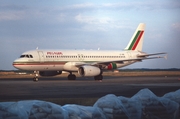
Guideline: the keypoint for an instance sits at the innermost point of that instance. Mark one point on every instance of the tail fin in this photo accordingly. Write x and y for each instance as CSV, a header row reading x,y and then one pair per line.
x,y
136,41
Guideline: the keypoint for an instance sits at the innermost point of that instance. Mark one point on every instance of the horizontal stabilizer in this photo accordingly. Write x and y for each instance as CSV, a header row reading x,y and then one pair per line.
x,y
146,55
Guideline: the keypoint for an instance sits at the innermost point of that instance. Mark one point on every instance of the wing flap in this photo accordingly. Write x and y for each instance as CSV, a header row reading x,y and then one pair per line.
x,y
115,61
79,64
139,59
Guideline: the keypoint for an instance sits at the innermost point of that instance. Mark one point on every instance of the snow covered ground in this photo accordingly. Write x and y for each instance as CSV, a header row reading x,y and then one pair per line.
x,y
143,105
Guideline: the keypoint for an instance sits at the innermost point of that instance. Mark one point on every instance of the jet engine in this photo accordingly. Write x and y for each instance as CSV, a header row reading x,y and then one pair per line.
x,y
49,73
89,71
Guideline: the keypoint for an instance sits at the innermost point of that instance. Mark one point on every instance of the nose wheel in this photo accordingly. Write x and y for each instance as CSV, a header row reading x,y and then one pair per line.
x,y
36,76
35,79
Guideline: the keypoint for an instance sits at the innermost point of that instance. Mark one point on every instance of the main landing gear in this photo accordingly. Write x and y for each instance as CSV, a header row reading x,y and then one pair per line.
x,y
98,77
71,77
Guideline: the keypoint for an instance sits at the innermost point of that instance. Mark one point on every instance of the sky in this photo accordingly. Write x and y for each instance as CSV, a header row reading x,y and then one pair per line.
x,y
105,24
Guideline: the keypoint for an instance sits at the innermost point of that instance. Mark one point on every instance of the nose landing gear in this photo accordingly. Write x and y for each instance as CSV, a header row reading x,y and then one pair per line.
x,y
36,76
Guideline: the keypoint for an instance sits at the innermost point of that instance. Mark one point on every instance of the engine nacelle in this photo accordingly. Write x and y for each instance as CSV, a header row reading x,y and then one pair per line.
x,y
49,73
89,71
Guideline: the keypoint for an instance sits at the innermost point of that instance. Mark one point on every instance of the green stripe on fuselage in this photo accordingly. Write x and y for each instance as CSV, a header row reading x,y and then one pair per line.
x,y
134,40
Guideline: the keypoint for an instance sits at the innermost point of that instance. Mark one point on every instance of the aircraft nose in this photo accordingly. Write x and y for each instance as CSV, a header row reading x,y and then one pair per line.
x,y
20,63
16,63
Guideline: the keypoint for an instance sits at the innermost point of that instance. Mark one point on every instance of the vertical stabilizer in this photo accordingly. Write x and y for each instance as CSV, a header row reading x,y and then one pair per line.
x,y
136,41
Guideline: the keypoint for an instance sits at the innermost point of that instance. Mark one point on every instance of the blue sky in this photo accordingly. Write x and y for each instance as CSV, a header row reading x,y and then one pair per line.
x,y
104,24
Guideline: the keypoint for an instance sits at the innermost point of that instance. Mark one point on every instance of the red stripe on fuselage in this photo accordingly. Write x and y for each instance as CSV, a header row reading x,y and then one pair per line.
x,y
137,41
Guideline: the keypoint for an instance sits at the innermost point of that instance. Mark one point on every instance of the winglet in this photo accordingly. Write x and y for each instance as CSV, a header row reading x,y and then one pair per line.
x,y
136,41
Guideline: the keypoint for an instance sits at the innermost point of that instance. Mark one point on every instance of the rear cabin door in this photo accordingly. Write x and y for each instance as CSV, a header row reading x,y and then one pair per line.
x,y
129,54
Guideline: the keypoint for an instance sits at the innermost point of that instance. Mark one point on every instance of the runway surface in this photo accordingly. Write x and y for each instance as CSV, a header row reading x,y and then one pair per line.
x,y
53,89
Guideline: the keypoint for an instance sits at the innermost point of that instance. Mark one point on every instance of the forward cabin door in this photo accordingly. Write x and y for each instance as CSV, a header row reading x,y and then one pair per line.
x,y
41,56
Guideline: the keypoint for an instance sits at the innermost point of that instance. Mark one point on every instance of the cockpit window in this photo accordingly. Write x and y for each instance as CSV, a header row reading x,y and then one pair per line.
x,y
26,56
22,56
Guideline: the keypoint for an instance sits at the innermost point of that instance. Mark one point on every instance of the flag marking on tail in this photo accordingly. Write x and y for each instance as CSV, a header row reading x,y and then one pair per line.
x,y
136,40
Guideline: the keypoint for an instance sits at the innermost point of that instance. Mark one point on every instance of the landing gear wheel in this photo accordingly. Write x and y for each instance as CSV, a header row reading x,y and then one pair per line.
x,y
35,79
99,77
36,76
71,77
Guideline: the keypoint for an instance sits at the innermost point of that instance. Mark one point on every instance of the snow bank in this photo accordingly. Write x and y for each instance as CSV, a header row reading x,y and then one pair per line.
x,y
143,105
154,107
32,109
83,112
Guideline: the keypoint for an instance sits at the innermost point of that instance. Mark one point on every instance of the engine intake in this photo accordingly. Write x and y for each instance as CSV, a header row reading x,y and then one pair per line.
x,y
89,71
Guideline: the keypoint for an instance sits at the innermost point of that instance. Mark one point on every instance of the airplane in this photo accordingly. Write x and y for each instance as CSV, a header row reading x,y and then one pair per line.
x,y
85,62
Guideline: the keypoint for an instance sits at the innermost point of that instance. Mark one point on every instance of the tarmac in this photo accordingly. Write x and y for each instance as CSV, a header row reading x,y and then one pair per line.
x,y
84,90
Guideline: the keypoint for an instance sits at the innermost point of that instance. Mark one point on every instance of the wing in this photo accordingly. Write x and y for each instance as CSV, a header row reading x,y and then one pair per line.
x,y
79,64
139,58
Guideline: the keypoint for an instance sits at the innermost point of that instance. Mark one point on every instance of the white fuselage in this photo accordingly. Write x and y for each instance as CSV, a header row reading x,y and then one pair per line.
x,y
85,62
65,60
